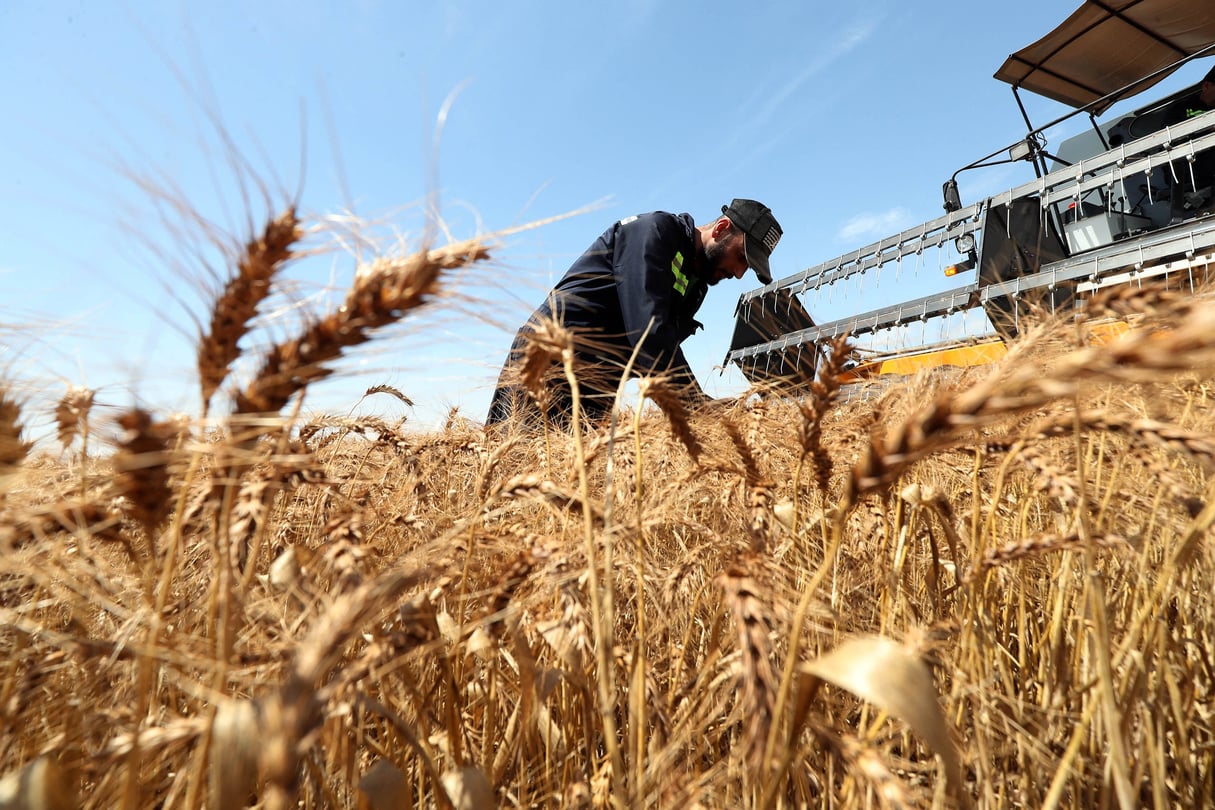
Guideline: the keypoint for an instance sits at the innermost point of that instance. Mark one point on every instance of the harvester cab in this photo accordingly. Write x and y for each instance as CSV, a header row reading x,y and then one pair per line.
x,y
1125,200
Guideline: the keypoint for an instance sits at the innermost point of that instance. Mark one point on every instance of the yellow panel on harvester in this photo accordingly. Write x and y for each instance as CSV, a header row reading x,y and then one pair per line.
x,y
975,355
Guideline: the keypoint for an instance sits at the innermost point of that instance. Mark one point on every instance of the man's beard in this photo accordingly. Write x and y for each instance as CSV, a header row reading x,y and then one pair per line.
x,y
715,254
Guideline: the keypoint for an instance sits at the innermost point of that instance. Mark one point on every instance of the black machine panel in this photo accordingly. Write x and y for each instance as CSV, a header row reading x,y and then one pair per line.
x,y
768,318
1018,240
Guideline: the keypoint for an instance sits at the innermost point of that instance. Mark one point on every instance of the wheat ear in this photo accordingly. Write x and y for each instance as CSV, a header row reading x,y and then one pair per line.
x,y
72,415
758,679
382,294
388,389
237,303
13,448
1036,546
823,392
660,391
141,464
1138,358
759,489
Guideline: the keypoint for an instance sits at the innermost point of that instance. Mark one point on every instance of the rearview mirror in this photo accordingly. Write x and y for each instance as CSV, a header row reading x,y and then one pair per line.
x,y
953,201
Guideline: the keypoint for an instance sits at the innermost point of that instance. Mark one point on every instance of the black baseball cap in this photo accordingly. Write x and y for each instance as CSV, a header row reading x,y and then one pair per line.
x,y
1210,77
763,232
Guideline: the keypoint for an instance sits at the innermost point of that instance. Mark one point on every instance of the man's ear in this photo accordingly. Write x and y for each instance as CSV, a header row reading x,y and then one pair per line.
x,y
720,226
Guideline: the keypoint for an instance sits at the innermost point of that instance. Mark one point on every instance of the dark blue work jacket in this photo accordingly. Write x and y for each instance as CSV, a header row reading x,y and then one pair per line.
x,y
641,268
642,272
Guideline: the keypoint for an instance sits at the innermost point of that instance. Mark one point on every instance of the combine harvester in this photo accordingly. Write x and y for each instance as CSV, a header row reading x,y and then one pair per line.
x,y
1126,200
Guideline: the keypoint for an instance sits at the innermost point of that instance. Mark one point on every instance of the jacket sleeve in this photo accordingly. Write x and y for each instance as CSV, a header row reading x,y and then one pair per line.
x,y
650,269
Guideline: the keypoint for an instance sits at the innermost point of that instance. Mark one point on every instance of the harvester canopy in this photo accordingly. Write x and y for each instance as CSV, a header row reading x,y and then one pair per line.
x,y
1110,50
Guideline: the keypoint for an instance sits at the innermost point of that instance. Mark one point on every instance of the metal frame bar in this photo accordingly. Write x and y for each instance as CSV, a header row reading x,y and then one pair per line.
x,y
930,234
1192,240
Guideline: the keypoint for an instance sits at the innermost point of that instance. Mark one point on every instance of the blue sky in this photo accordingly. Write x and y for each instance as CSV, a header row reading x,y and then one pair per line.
x,y
845,118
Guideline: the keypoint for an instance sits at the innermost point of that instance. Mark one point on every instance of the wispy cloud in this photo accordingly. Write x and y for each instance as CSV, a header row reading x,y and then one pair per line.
x,y
764,115
875,226
849,39
769,103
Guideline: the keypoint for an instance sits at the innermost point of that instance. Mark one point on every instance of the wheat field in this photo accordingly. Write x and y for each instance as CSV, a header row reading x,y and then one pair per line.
x,y
989,588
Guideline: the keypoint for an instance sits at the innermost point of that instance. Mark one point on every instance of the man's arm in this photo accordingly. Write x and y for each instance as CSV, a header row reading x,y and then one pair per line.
x,y
648,268
651,271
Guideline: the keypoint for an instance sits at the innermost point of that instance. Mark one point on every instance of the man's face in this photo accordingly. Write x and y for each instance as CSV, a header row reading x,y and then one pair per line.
x,y
725,258
1207,93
